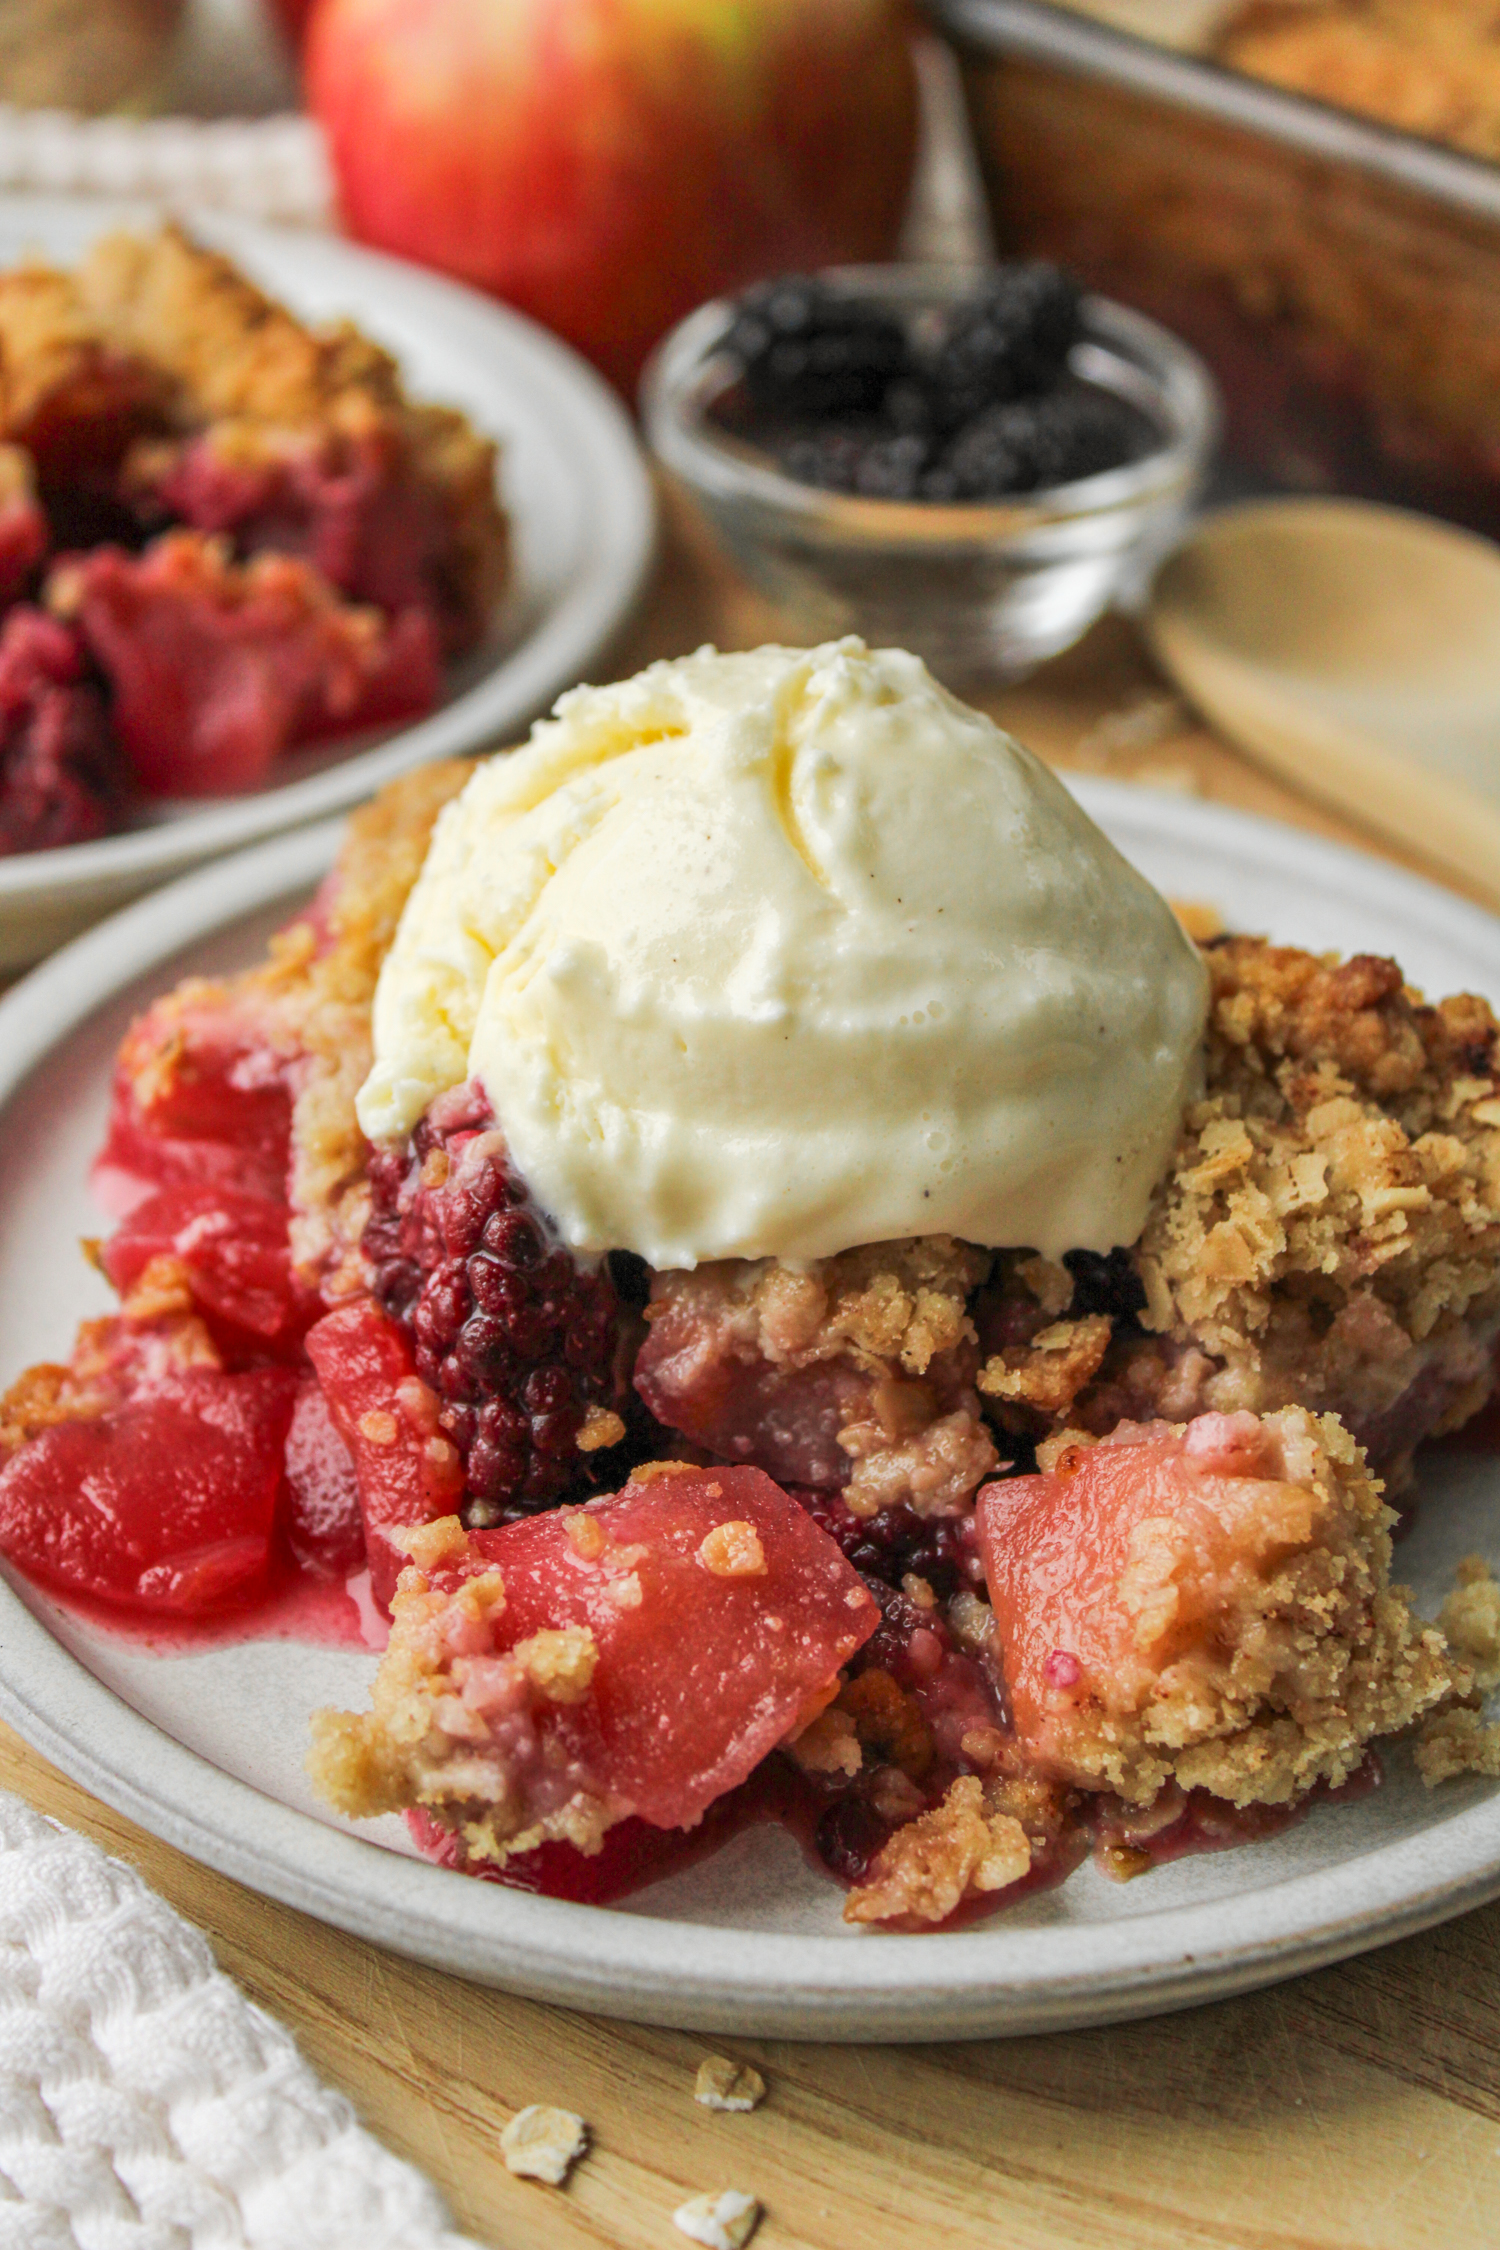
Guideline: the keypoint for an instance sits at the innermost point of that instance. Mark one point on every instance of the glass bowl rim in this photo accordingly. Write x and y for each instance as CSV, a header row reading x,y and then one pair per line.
x,y
674,397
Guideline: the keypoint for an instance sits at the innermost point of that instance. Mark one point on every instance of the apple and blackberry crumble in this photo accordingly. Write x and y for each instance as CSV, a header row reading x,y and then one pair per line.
x,y
803,1294
238,532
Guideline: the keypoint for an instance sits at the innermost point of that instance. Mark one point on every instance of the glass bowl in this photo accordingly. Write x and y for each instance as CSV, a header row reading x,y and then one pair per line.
x,y
975,587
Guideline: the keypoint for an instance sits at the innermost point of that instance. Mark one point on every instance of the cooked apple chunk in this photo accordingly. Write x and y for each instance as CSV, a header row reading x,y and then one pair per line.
x,y
638,1655
1207,1603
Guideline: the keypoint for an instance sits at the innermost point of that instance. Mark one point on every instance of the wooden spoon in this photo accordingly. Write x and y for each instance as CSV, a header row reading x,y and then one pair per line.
x,y
1355,651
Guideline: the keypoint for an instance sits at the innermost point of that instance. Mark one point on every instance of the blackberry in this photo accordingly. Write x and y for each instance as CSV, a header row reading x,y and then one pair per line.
x,y
1009,342
1104,1284
887,1648
939,484
809,352
891,468
514,1336
1035,443
884,1547
850,1838
830,459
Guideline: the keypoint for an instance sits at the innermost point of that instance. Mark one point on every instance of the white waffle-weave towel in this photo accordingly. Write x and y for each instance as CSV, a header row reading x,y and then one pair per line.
x,y
145,2104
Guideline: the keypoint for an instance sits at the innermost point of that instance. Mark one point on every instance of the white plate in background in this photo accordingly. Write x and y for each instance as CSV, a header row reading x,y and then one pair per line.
x,y
573,482
206,1750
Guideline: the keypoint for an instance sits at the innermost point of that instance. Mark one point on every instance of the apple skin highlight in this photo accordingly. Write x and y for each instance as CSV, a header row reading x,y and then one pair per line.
x,y
605,165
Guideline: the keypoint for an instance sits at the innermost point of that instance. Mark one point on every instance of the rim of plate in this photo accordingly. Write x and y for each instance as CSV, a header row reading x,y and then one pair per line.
x,y
595,439
699,1976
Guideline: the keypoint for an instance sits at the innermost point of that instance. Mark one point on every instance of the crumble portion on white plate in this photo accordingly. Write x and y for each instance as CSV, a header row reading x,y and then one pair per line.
x,y
1089,1547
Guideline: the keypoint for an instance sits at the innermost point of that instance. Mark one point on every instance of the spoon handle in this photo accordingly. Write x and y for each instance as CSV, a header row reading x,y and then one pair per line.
x,y
1408,804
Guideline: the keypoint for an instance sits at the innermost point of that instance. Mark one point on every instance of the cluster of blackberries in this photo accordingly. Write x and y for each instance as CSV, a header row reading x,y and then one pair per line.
x,y
516,1339
886,1546
852,399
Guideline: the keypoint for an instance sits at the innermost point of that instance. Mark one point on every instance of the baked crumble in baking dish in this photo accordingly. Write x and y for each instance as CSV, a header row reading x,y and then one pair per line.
x,y
961,1560
222,533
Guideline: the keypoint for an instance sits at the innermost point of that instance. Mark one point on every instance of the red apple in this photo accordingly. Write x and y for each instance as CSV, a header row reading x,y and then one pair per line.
x,y
292,16
607,164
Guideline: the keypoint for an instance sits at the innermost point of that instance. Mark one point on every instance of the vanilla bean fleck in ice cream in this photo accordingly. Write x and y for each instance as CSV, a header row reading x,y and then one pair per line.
x,y
769,955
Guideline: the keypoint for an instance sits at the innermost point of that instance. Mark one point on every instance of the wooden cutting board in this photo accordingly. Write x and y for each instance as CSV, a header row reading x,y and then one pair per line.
x,y
1358,2109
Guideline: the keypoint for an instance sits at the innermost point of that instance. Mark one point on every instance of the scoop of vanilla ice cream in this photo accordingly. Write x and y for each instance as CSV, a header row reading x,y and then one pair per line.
x,y
779,953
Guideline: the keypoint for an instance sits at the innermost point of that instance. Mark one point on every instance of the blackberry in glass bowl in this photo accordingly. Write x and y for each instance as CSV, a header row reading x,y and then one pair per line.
x,y
974,463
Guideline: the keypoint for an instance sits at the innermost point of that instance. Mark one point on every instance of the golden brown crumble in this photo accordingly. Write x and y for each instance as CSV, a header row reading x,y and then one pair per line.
x,y
88,1387
449,1724
890,1321
245,367
1430,70
827,1744
543,2143
1048,1373
936,1861
726,2085
155,337
1470,1621
55,364
1308,1652
1328,1233
887,1722
884,1306
1456,1740
935,1471
733,1550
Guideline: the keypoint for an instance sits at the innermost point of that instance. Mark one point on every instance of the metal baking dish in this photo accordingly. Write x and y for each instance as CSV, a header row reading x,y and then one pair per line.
x,y
1341,278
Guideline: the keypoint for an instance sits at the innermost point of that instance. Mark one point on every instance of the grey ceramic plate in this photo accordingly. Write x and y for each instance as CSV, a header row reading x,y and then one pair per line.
x,y
206,1750
582,522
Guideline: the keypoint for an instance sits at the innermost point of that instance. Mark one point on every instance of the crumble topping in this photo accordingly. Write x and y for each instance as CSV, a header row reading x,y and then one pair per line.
x,y
828,1744
1256,1644
885,1306
722,2084
937,1860
1470,1621
1428,70
733,1550
231,359
1048,1373
720,2221
542,2143
452,1723
1456,1739
1329,1234
92,1384
865,1358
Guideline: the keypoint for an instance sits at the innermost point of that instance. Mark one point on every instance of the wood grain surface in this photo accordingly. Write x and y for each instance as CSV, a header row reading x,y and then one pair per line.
x,y
1358,2109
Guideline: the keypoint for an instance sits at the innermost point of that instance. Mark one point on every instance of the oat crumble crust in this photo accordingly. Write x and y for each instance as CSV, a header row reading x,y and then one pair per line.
x,y
962,1848
173,337
430,1736
1312,1652
1456,1738
89,1386
1328,1235
54,359
1431,70
894,1314
1329,1231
